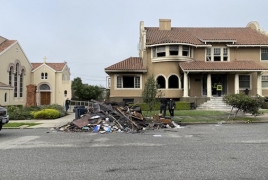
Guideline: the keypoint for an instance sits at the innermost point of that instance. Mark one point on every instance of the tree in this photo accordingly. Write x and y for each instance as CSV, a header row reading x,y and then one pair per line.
x,y
150,92
85,91
244,103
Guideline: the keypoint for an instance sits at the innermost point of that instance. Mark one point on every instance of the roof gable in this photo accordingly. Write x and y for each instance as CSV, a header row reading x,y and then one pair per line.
x,y
54,66
6,44
130,64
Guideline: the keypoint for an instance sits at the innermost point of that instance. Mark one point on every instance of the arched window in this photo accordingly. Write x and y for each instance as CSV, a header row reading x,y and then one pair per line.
x,y
44,87
173,82
21,82
16,81
5,97
161,82
65,93
42,76
10,75
45,75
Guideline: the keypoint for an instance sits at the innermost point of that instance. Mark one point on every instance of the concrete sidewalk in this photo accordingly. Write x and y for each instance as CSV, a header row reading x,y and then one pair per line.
x,y
51,123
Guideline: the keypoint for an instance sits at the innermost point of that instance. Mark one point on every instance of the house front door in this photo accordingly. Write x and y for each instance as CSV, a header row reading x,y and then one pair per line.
x,y
45,98
216,79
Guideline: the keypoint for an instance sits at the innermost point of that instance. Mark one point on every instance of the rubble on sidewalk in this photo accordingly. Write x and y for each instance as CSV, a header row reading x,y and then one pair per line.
x,y
110,117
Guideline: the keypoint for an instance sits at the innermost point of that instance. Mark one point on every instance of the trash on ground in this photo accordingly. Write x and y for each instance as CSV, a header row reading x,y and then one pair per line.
x,y
111,117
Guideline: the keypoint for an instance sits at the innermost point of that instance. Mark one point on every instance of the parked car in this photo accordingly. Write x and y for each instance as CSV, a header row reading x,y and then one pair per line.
x,y
4,117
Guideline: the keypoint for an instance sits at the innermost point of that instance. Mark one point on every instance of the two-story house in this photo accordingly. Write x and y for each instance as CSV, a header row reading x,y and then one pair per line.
x,y
26,83
189,62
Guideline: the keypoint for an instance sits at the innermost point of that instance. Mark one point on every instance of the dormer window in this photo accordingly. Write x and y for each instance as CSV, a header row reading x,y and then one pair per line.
x,y
217,54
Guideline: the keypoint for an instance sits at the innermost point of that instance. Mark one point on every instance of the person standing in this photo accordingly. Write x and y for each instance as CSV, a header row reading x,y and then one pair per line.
x,y
67,104
163,106
171,107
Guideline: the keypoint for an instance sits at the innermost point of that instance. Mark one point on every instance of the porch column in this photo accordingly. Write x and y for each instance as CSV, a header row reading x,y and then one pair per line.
x,y
185,84
236,84
209,93
259,86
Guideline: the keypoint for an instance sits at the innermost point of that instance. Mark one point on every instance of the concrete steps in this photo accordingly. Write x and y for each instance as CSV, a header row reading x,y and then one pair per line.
x,y
215,103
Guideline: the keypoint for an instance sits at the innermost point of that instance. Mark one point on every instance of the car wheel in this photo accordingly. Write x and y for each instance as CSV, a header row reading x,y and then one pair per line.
x,y
1,126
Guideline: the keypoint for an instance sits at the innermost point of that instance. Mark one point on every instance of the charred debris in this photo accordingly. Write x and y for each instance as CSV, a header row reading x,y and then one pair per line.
x,y
114,117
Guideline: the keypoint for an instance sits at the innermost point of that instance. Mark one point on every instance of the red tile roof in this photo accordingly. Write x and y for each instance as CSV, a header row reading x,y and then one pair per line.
x,y
5,85
237,65
55,66
132,63
195,36
4,45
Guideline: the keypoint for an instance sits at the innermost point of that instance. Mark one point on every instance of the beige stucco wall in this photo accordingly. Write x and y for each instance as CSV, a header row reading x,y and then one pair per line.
x,y
65,85
55,82
14,55
127,93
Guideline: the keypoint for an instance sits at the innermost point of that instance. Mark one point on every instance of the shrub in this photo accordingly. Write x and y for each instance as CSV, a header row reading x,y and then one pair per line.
x,y
57,107
47,114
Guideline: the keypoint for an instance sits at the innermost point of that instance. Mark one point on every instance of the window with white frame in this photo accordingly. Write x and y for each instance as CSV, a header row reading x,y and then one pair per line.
x,y
173,50
264,81
128,81
208,54
264,53
159,51
217,54
186,51
244,81
43,75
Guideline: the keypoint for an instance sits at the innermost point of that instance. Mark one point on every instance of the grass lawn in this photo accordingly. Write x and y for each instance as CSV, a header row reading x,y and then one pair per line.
x,y
203,116
18,124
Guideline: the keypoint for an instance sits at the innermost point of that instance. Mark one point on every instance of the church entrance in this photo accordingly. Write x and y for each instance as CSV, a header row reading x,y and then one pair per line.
x,y
45,98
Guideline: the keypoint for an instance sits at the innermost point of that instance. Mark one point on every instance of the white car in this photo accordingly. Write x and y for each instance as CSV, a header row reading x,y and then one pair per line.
x,y
4,117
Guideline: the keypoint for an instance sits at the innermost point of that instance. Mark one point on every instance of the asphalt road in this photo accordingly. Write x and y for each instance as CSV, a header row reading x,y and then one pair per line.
x,y
201,152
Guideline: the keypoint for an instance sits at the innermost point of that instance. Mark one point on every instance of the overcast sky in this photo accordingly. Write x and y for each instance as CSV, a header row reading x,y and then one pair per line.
x,y
91,35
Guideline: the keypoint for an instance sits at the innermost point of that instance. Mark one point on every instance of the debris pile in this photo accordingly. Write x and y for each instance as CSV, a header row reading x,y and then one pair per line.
x,y
108,117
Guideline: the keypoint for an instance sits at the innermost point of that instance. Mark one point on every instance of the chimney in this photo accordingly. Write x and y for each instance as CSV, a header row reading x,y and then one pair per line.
x,y
164,24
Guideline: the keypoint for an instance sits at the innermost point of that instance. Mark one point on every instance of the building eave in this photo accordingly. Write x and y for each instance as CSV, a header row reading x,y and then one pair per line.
x,y
188,44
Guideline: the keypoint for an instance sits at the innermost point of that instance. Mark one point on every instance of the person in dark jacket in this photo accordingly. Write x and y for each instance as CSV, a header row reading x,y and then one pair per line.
x,y
163,106
67,104
171,107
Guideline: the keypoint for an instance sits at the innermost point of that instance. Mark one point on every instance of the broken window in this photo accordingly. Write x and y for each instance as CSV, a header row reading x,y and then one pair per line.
x,y
128,81
161,82
173,82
